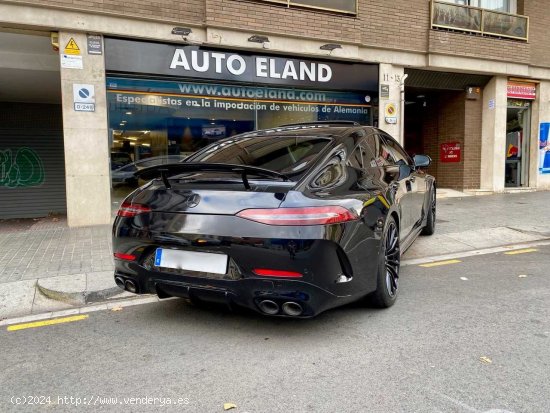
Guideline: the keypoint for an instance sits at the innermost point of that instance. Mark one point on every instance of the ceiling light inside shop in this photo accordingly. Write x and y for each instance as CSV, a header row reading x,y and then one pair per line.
x,y
132,144
132,138
146,132
146,144
128,113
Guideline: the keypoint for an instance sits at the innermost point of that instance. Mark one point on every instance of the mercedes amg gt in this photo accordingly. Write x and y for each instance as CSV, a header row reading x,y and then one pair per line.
x,y
289,221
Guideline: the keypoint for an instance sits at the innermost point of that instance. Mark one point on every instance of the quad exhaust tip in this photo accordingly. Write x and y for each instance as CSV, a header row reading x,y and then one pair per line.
x,y
292,309
130,286
269,307
120,282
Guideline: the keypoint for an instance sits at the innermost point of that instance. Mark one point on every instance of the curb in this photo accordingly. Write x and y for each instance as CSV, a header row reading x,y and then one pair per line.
x,y
78,297
79,289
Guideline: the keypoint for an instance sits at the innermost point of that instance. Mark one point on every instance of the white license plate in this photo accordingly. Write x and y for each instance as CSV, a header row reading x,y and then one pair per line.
x,y
191,261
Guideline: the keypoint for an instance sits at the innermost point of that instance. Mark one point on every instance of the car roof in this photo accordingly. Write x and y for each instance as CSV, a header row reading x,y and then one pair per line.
x,y
308,129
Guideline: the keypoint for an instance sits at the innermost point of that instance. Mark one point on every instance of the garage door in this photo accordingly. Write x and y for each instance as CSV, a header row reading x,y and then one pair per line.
x,y
32,166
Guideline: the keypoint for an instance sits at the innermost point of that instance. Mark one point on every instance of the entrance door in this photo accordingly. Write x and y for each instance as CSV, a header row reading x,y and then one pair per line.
x,y
518,136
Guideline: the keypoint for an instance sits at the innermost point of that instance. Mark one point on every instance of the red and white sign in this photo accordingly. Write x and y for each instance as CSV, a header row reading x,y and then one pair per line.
x,y
450,152
517,90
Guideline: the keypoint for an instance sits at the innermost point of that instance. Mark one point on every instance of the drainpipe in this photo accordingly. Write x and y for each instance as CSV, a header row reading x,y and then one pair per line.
x,y
402,120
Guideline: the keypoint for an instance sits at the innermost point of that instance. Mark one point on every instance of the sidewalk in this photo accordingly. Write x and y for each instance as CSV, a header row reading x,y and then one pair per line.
x,y
46,266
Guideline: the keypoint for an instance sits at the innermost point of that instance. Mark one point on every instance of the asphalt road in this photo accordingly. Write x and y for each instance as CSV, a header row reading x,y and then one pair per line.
x,y
480,344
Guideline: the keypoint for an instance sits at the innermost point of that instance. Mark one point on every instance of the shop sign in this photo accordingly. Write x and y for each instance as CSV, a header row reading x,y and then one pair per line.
x,y
84,97
192,61
95,46
450,152
384,91
517,90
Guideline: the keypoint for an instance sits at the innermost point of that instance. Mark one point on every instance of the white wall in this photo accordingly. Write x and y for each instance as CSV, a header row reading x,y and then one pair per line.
x,y
391,75
493,134
86,141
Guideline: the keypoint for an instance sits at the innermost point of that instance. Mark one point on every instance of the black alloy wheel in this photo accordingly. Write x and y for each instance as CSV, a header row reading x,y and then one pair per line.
x,y
388,267
392,259
429,229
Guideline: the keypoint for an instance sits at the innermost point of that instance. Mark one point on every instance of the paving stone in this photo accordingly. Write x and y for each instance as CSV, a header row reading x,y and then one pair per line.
x,y
16,298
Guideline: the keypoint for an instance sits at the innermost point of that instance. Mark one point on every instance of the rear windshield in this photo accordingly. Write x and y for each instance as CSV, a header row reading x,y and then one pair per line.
x,y
282,154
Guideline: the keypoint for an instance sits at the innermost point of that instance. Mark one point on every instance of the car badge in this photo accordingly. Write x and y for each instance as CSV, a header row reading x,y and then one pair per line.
x,y
192,201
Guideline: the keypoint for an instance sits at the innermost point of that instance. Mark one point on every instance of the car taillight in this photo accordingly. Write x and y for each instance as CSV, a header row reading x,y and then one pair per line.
x,y
299,216
266,272
125,257
131,210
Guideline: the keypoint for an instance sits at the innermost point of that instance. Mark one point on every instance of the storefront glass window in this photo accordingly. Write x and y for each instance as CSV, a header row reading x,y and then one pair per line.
x,y
150,118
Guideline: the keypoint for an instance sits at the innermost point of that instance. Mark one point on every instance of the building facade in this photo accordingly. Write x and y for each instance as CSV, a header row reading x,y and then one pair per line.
x,y
86,87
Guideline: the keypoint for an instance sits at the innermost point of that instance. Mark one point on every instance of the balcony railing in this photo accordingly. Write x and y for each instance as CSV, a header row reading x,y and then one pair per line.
x,y
478,20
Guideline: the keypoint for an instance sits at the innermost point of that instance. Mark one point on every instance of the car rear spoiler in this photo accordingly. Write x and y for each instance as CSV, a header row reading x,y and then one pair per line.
x,y
170,169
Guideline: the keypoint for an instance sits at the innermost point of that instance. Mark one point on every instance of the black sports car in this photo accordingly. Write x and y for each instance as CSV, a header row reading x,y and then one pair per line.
x,y
289,221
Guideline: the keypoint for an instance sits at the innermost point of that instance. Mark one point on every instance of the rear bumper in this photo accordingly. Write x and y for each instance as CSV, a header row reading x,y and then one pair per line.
x,y
246,292
324,255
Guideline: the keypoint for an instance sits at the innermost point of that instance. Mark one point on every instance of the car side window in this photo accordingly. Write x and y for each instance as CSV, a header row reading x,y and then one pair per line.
x,y
356,158
330,175
378,153
398,154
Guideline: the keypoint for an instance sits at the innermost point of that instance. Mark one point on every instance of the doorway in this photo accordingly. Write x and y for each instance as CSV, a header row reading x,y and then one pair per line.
x,y
518,136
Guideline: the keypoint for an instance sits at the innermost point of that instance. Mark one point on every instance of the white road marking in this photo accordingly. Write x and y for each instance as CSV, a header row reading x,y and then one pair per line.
x,y
473,253
83,310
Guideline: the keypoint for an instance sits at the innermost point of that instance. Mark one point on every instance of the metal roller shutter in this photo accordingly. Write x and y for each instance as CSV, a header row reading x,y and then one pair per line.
x,y
32,164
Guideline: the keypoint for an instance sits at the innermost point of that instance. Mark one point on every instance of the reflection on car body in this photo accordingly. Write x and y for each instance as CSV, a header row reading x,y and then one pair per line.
x,y
126,173
289,222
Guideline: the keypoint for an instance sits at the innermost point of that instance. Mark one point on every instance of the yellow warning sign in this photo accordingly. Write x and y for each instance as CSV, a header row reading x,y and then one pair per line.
x,y
72,47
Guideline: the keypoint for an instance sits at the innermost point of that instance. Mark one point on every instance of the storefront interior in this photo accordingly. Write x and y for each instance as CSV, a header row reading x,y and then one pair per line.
x,y
518,120
167,120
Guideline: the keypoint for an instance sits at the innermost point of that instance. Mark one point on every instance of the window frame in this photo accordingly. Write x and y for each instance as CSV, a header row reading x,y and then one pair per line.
x,y
389,141
511,5
295,4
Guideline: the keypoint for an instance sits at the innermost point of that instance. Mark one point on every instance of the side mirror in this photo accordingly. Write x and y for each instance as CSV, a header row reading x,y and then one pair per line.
x,y
422,161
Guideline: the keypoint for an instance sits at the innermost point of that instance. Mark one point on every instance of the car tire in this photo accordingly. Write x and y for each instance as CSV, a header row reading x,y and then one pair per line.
x,y
389,261
429,229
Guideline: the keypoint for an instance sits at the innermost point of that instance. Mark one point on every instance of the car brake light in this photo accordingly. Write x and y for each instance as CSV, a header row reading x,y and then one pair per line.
x,y
265,272
299,216
125,257
128,209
